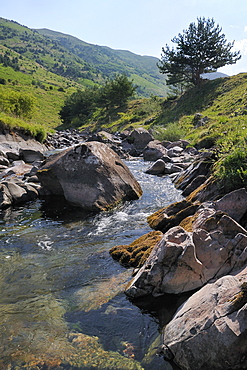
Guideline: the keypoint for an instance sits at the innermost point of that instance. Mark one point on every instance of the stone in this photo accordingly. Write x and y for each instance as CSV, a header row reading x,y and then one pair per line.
x,y
18,168
5,197
172,215
20,192
195,183
90,176
209,329
199,167
157,168
139,137
30,155
172,168
136,253
234,204
172,267
184,260
4,161
174,151
153,151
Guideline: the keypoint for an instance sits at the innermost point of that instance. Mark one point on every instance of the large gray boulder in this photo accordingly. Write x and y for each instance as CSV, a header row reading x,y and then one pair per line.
x,y
213,245
209,329
90,176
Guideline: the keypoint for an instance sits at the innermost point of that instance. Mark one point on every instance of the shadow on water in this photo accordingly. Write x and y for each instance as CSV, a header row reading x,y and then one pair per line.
x,y
57,208
62,302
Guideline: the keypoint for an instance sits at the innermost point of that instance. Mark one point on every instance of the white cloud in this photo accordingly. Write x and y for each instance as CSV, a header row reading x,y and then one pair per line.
x,y
242,46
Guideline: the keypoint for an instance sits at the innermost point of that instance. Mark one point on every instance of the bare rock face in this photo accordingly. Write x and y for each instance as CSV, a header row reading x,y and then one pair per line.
x,y
90,176
209,329
213,245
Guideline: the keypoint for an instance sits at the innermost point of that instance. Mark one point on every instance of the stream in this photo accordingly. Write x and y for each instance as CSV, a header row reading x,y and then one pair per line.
x,y
62,301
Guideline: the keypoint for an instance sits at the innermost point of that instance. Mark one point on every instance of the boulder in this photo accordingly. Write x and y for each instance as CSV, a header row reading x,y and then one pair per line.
x,y
172,215
18,168
139,137
31,155
5,197
210,245
90,176
17,192
154,150
172,267
199,167
175,151
157,168
234,204
4,160
209,329
172,168
195,183
136,253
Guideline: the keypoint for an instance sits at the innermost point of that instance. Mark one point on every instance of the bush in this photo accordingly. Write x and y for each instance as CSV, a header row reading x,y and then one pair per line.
x,y
171,132
17,103
231,170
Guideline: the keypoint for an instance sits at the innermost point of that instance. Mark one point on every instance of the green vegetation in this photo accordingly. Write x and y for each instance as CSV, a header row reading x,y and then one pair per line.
x,y
105,62
213,115
202,48
82,105
43,73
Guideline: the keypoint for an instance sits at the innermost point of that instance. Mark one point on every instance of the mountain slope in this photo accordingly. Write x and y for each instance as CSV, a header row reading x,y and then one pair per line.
x,y
77,60
142,69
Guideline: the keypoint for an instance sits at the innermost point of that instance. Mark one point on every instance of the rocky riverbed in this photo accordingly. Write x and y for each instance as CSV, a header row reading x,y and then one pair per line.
x,y
202,239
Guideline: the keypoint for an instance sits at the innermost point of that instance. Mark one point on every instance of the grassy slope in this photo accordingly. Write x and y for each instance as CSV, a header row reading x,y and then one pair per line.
x,y
142,69
223,101
43,85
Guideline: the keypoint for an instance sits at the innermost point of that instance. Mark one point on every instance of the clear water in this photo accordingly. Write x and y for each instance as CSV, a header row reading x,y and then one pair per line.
x,y
62,304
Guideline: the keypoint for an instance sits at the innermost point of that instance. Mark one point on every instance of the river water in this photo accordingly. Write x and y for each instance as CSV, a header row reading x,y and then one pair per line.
x,y
62,304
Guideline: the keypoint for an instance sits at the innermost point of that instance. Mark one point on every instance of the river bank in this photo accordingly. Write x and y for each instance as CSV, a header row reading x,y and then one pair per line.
x,y
111,229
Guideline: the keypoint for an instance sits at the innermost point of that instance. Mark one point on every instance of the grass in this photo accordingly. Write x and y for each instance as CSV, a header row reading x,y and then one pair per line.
x,y
223,105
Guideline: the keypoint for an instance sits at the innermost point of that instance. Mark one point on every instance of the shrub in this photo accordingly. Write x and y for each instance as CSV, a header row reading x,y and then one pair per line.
x,y
231,170
171,132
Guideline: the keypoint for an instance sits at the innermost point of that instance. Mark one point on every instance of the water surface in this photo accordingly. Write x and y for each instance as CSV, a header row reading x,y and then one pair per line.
x,y
62,304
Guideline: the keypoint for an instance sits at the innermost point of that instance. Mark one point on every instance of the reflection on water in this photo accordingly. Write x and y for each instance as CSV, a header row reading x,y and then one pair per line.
x,y
62,304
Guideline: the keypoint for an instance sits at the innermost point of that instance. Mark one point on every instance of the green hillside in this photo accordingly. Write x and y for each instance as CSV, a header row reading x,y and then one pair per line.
x,y
212,116
142,69
44,51
79,61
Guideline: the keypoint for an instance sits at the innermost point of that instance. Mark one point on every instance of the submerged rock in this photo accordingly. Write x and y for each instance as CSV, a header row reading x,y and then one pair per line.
x,y
90,176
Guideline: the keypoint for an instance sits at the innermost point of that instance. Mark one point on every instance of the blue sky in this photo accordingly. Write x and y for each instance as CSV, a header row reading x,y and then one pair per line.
x,y
140,26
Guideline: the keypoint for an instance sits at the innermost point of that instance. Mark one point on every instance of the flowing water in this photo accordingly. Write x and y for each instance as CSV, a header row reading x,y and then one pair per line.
x,y
62,304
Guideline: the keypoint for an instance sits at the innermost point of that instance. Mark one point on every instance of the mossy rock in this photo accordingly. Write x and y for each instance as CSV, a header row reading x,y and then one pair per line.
x,y
240,299
172,215
136,253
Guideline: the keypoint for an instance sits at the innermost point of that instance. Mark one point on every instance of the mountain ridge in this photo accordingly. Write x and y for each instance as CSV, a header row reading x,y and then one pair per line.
x,y
109,61
85,63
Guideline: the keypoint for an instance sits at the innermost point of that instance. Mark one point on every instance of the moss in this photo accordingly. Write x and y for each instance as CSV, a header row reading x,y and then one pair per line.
x,y
154,219
172,215
240,299
135,254
187,223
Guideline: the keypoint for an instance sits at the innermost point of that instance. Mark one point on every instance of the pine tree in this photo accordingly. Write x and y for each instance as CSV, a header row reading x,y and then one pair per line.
x,y
202,48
